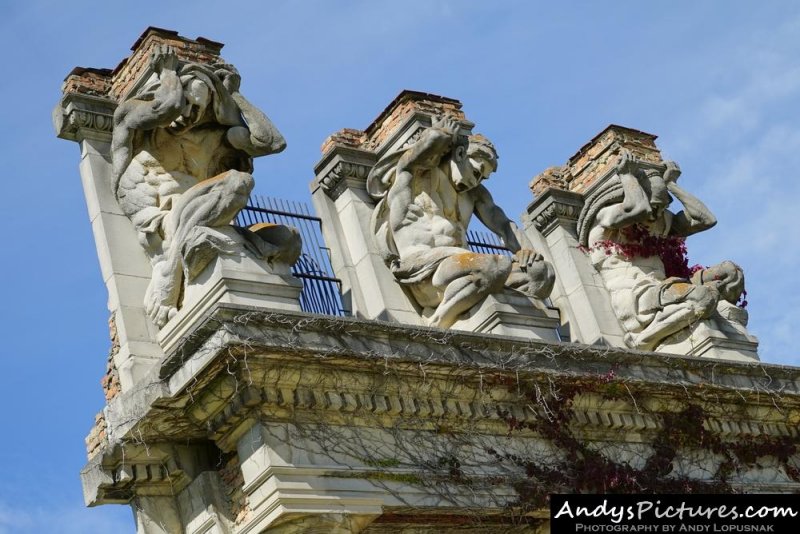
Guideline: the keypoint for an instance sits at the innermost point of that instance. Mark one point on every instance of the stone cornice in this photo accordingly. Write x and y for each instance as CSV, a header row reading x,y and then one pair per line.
x,y
243,366
116,476
237,340
328,336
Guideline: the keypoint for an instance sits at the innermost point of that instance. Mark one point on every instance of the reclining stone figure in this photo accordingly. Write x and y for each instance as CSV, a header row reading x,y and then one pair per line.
x,y
428,193
182,152
628,231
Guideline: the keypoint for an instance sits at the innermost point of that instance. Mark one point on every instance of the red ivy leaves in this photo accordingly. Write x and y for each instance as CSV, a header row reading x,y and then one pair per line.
x,y
640,243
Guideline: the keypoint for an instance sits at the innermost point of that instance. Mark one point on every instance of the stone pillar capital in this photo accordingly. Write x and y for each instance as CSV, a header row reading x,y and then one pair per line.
x,y
342,167
78,116
555,208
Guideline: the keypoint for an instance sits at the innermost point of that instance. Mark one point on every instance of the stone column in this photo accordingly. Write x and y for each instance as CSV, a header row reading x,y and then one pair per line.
x,y
341,200
87,119
579,293
291,481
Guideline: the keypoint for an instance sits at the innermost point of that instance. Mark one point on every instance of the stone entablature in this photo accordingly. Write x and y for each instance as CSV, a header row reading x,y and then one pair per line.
x,y
383,418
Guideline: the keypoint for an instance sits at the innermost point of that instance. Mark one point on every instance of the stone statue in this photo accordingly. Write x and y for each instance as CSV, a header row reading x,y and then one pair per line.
x,y
637,245
182,152
428,193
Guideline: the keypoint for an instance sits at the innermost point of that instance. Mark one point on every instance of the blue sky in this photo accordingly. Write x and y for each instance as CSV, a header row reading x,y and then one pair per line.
x,y
719,82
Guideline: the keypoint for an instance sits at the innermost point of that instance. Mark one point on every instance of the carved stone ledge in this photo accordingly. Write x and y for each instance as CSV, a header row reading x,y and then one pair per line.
x,y
556,207
357,404
630,422
120,474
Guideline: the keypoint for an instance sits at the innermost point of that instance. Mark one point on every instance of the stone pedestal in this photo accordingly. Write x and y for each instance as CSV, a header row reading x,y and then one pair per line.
x,y
237,279
512,314
714,338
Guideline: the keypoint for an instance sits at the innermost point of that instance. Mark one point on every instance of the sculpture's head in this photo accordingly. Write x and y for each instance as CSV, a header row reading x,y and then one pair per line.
x,y
475,162
657,192
197,96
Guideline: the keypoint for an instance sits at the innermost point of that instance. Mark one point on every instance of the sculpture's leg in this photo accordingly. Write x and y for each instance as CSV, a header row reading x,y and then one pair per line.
x,y
212,203
683,304
466,279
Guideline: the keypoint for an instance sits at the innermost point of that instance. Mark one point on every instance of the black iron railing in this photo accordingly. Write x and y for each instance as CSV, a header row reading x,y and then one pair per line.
x,y
322,292
486,243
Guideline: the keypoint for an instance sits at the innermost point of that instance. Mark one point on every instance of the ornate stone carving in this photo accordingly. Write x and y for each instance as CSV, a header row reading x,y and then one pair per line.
x,y
636,244
334,182
182,152
86,114
561,207
427,195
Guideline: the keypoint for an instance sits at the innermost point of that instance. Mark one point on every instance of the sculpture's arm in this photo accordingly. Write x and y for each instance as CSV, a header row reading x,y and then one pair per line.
x,y
496,220
259,137
399,199
635,206
695,216
432,145
137,114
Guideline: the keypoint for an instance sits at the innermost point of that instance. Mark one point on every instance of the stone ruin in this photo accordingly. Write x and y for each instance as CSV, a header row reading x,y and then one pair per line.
x,y
585,355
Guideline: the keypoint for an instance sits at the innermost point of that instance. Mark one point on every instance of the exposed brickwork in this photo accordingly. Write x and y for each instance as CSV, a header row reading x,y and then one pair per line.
x,y
116,84
552,177
110,381
406,103
344,137
125,75
97,440
95,82
596,158
233,482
